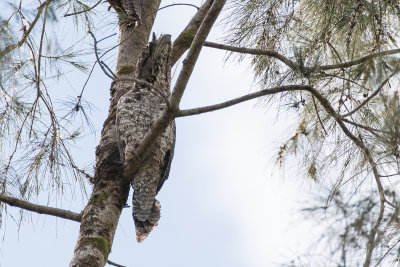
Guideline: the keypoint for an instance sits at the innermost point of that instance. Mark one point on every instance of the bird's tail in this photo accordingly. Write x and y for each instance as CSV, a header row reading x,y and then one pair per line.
x,y
144,227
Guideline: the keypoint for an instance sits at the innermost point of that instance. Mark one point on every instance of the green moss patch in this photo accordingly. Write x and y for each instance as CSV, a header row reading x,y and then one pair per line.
x,y
100,242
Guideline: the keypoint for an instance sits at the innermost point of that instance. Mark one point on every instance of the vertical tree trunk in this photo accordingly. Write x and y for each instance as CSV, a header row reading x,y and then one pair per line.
x,y
101,215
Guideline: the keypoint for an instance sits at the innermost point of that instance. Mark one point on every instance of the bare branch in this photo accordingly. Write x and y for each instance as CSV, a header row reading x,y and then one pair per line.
x,y
229,103
178,4
184,40
65,214
291,64
194,52
98,59
115,264
360,60
253,51
83,11
373,94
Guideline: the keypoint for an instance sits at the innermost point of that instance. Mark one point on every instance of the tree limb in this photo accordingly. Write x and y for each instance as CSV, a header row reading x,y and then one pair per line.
x,y
229,103
253,51
169,114
184,40
360,60
291,64
328,107
194,52
65,214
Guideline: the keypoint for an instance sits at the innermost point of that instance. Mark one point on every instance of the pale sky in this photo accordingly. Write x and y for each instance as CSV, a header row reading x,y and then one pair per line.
x,y
225,204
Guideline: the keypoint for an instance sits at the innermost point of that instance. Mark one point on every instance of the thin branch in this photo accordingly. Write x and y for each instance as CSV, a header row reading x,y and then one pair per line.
x,y
390,175
83,11
162,122
229,103
359,61
373,94
184,40
194,52
179,4
387,252
367,128
292,65
114,264
253,51
319,118
98,59
26,33
65,214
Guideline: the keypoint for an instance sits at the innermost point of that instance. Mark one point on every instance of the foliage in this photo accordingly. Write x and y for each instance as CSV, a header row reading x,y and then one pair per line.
x,y
319,36
36,131
348,120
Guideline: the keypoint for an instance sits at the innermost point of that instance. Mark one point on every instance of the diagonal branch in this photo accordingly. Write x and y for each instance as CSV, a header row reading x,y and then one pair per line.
x,y
184,40
169,114
373,94
360,60
65,214
253,51
25,35
194,52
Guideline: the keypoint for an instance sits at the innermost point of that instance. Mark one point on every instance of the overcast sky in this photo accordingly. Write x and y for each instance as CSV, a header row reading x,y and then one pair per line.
x,y
225,204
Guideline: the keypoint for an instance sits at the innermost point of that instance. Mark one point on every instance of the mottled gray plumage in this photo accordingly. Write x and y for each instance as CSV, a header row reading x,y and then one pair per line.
x,y
133,8
136,112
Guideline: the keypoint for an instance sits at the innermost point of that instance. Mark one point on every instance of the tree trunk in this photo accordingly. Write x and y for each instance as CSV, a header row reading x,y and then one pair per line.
x,y
101,215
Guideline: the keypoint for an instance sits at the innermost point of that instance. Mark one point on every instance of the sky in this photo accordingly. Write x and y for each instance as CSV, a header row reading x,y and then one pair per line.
x,y
225,202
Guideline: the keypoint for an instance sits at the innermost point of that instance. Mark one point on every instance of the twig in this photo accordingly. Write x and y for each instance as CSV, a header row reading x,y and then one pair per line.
x,y
97,57
83,11
370,129
179,4
108,68
252,51
25,35
65,214
319,118
359,61
114,264
373,94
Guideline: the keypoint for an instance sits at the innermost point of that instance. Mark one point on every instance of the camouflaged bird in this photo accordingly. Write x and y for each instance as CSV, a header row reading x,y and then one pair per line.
x,y
131,9
136,112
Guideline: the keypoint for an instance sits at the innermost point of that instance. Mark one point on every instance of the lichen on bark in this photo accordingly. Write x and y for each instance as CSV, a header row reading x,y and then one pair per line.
x,y
125,70
99,242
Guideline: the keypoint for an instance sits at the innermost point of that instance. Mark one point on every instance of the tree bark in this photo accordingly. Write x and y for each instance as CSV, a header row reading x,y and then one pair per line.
x,y
112,178
101,215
